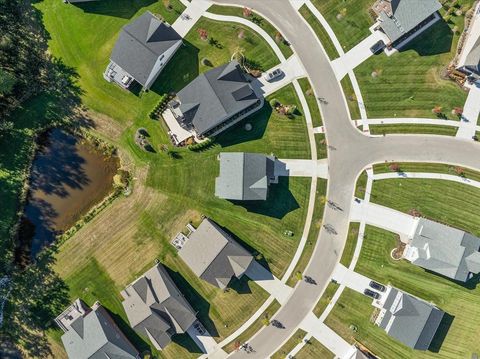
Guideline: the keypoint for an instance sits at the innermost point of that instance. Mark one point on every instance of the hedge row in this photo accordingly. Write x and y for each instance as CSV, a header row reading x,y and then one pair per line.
x,y
159,107
202,145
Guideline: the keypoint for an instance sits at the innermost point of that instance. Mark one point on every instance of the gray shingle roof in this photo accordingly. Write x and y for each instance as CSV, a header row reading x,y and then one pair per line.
x,y
141,43
214,256
216,95
155,307
407,14
446,250
410,320
472,61
244,176
96,335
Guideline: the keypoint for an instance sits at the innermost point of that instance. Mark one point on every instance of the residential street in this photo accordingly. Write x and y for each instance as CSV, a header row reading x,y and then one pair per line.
x,y
350,152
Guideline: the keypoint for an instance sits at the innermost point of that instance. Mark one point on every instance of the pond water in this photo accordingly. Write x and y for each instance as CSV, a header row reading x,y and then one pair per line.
x,y
68,177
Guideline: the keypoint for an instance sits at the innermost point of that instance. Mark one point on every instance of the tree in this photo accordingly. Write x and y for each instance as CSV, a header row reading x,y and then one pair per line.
x,y
394,167
7,82
247,12
278,37
459,171
203,33
437,110
299,275
457,111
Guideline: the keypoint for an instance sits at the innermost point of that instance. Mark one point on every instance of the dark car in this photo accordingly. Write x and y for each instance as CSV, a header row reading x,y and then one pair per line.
x,y
377,47
371,294
377,286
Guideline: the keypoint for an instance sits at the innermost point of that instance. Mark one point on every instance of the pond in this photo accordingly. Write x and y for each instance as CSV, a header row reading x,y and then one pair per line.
x,y
68,177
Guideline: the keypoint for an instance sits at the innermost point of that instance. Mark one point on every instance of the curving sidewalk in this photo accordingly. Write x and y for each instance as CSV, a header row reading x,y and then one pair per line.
x,y
413,121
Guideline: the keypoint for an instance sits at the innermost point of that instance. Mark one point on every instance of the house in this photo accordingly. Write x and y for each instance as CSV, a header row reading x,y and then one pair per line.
x,y
245,176
399,19
408,319
214,256
142,50
155,307
444,250
92,333
469,62
214,101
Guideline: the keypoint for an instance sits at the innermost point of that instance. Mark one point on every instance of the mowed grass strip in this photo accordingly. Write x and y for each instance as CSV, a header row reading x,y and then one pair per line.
x,y
320,31
428,168
349,250
291,343
311,101
412,82
321,144
316,224
361,185
413,129
258,20
326,298
448,202
254,328
351,98
314,349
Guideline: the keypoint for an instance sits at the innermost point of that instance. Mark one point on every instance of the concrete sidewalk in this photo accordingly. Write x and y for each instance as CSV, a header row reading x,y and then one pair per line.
x,y
471,111
413,121
437,176
189,17
270,283
384,217
301,168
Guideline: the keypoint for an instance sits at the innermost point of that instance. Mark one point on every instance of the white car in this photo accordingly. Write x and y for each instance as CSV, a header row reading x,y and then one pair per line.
x,y
269,76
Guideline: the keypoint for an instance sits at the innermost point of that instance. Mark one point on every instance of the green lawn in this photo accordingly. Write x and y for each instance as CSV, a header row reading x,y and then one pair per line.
x,y
349,249
254,328
411,83
361,185
444,201
314,230
351,98
429,168
321,142
314,349
326,298
413,129
349,19
258,20
312,101
289,345
320,32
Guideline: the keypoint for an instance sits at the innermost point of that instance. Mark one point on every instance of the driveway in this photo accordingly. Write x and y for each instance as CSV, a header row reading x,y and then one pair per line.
x,y
301,168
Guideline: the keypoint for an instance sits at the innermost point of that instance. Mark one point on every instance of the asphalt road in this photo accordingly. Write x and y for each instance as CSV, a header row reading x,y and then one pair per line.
x,y
350,152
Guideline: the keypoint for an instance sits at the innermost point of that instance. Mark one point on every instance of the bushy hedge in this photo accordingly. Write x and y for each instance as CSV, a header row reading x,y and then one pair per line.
x,y
202,145
159,107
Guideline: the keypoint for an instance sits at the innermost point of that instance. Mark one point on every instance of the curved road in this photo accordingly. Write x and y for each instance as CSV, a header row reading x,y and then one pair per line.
x,y
350,152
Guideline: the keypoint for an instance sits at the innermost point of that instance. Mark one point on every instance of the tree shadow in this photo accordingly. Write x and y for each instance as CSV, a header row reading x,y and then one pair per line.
x,y
441,333
238,134
182,68
279,203
198,303
117,8
438,39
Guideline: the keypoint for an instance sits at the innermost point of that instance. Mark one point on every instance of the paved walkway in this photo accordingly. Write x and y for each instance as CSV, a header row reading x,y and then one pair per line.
x,y
353,58
270,283
384,217
471,111
413,121
301,168
438,176
194,11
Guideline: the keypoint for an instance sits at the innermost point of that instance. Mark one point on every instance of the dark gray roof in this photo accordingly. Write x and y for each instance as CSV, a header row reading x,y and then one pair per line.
x,y
244,176
472,61
445,250
410,320
216,95
214,256
155,307
407,14
96,335
141,43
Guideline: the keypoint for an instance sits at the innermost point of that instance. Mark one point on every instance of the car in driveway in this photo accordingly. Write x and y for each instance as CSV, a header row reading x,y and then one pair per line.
x,y
370,293
377,47
272,75
377,286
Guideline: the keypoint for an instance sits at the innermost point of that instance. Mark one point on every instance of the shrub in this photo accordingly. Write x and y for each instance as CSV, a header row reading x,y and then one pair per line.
x,y
274,102
202,145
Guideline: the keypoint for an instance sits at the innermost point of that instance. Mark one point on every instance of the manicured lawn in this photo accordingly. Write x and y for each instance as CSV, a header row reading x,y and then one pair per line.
x,y
351,98
349,19
326,298
314,349
258,20
289,345
349,249
411,83
361,185
321,143
312,101
254,328
444,201
320,32
413,129
428,168
314,230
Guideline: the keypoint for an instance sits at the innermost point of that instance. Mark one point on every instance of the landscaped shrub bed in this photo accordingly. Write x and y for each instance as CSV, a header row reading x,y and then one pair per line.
x,y
159,107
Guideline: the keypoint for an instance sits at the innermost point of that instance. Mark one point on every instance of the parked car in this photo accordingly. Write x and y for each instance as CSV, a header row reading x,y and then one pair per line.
x,y
269,76
371,294
377,47
377,286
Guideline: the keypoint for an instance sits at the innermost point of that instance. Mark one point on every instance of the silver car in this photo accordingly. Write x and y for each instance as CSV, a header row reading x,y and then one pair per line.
x,y
269,76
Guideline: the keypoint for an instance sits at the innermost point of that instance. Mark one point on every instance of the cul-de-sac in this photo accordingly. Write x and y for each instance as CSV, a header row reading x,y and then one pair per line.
x,y
258,179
